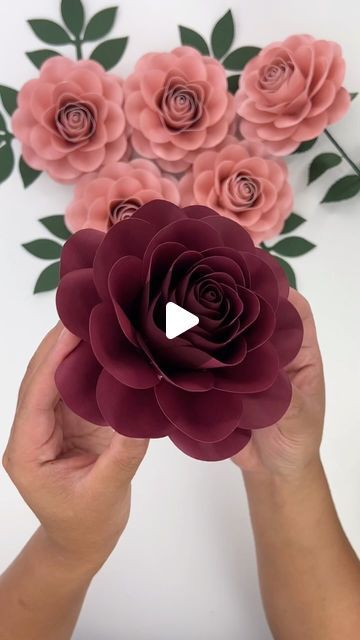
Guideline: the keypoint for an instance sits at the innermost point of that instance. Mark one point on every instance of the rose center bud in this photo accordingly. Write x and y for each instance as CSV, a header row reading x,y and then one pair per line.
x,y
273,75
180,105
122,209
241,191
209,293
75,121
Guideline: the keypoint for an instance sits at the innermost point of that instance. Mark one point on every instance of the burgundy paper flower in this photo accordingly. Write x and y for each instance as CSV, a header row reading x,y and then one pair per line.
x,y
205,389
70,120
291,92
177,104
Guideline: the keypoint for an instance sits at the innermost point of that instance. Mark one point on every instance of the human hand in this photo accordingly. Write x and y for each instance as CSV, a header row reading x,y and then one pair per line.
x,y
74,475
293,443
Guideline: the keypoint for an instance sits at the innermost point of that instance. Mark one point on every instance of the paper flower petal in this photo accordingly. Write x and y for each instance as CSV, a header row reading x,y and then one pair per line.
x,y
76,379
132,412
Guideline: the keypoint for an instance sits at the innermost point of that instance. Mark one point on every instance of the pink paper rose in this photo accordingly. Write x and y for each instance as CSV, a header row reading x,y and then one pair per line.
x,y
177,104
243,185
291,92
70,120
116,192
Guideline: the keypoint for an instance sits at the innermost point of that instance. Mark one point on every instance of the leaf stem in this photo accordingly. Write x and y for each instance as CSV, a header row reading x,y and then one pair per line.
x,y
342,152
6,136
77,43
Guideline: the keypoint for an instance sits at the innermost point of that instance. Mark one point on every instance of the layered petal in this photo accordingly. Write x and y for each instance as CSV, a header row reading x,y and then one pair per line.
x,y
206,417
132,412
76,379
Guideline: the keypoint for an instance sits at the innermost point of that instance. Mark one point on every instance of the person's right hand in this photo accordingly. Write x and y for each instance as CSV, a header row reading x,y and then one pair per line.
x,y
289,446
74,475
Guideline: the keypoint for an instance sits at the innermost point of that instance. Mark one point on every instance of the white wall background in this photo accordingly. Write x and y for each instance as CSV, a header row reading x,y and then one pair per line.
x,y
185,567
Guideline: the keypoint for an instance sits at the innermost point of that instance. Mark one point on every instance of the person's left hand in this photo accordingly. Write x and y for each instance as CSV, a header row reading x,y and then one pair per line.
x,y
74,475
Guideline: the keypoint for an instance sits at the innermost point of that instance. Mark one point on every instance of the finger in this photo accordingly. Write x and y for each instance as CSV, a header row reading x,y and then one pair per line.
x,y
40,394
43,349
117,465
304,310
309,353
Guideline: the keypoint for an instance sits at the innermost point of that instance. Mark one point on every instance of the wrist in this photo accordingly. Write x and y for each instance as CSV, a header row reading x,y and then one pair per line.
x,y
297,480
292,507
73,568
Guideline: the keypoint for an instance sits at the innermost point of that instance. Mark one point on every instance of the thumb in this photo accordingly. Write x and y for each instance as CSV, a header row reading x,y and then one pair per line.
x,y
117,465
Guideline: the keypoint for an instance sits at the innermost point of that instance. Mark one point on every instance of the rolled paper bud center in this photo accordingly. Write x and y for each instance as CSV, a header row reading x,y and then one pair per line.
x,y
75,121
210,293
275,74
122,210
241,191
180,104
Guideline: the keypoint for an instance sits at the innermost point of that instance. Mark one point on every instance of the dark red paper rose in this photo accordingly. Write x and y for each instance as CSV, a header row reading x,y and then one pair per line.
x,y
206,389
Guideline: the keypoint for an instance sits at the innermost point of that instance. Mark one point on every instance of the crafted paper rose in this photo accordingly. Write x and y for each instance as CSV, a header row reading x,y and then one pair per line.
x,y
243,185
205,389
70,120
116,192
177,104
291,92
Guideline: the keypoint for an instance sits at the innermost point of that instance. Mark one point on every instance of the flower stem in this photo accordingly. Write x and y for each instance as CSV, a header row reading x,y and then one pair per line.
x,y
342,152
77,42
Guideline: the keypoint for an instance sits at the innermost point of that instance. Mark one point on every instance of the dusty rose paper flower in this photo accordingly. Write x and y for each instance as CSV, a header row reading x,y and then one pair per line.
x,y
177,104
205,389
116,192
291,92
241,183
70,119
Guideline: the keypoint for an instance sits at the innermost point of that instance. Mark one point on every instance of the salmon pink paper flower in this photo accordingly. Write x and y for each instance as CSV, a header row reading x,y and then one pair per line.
x,y
206,389
70,120
177,104
291,91
116,192
241,183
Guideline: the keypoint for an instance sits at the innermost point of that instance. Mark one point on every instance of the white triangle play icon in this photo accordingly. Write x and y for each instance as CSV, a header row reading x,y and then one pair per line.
x,y
178,320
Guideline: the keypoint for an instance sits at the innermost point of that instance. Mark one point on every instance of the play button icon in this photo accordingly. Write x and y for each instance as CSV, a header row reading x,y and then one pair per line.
x,y
178,320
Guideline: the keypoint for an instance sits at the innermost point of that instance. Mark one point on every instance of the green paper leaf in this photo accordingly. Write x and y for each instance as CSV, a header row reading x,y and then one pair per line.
x,y
6,161
292,222
9,99
49,32
190,38
222,36
322,163
292,247
109,53
345,188
354,95
305,146
233,83
237,59
288,270
28,174
48,279
44,249
72,12
100,24
39,56
56,226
